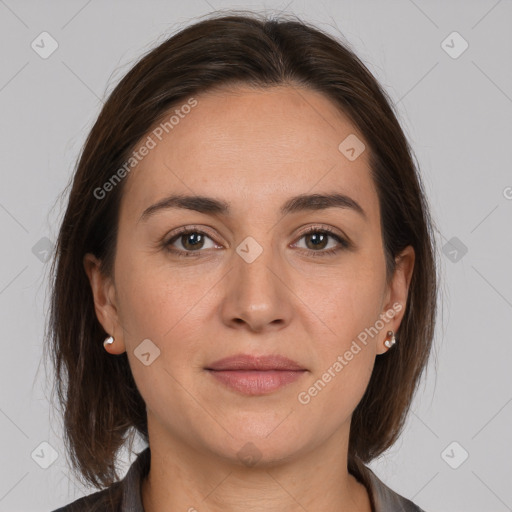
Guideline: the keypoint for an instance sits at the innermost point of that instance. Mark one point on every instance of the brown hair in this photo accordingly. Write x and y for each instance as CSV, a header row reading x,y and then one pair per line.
x,y
98,394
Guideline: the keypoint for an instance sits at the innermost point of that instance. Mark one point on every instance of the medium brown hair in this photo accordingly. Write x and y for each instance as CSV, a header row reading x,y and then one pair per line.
x,y
100,400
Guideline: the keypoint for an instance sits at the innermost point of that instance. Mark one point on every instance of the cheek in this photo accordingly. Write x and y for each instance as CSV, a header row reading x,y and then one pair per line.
x,y
347,387
346,301
162,305
345,365
155,298
348,304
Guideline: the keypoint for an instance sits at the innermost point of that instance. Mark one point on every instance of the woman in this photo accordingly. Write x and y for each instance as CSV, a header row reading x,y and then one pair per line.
x,y
244,276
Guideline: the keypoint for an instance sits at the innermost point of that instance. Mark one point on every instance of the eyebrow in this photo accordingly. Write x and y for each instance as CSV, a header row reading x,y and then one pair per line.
x,y
210,205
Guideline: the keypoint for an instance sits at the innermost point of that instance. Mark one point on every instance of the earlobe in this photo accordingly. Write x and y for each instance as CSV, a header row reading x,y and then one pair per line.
x,y
112,347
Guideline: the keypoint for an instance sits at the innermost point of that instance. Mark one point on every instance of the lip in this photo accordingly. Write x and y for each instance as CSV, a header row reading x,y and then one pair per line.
x,y
255,375
250,362
255,382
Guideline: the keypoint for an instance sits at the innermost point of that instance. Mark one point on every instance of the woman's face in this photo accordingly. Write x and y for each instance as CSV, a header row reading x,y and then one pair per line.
x,y
249,279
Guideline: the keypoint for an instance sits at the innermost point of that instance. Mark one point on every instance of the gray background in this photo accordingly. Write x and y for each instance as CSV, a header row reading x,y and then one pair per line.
x,y
457,114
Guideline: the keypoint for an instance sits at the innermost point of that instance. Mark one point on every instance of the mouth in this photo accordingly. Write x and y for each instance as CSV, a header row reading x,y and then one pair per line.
x,y
256,375
255,363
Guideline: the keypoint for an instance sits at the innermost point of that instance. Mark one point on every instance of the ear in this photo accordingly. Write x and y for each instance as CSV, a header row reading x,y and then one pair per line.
x,y
396,295
104,294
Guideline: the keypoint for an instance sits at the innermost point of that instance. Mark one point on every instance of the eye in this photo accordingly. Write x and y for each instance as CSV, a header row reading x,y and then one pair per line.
x,y
191,240
317,241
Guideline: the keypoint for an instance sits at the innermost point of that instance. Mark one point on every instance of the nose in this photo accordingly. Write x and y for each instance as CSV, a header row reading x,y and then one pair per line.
x,y
257,296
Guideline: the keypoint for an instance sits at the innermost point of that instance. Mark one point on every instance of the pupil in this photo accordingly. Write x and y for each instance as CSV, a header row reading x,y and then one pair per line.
x,y
318,237
192,239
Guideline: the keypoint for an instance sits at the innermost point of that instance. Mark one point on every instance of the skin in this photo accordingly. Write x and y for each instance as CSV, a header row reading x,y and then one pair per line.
x,y
254,149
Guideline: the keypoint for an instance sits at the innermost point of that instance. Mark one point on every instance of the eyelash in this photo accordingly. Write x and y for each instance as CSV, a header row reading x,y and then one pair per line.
x,y
313,229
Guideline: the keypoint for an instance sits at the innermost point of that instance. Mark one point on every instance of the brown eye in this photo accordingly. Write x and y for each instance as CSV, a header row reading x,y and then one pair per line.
x,y
188,241
191,241
317,241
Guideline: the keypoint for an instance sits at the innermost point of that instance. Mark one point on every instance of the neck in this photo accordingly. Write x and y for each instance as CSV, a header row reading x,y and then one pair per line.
x,y
184,478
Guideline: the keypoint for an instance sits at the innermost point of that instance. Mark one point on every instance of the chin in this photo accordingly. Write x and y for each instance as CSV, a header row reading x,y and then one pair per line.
x,y
259,444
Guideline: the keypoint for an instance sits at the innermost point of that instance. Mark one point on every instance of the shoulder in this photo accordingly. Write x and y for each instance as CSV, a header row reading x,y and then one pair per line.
x,y
387,500
121,496
106,500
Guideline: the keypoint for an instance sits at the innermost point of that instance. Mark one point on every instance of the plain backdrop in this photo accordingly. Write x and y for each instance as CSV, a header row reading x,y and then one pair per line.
x,y
453,95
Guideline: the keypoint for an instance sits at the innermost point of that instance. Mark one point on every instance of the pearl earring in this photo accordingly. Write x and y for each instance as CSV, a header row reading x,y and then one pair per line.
x,y
392,341
108,341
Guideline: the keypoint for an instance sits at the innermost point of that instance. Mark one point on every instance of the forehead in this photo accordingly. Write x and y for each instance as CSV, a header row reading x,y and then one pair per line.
x,y
253,147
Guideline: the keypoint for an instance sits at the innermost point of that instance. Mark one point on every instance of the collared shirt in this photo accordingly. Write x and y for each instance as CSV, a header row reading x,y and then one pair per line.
x,y
125,495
